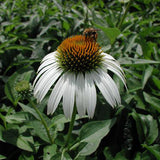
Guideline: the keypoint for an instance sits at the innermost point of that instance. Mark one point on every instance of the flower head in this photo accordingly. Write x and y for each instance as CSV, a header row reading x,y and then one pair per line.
x,y
75,69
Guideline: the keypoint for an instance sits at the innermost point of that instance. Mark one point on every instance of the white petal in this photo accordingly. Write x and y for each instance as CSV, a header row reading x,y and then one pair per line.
x,y
46,63
90,95
43,71
69,94
113,63
80,98
117,72
43,79
115,68
111,86
48,84
103,87
56,95
107,56
49,56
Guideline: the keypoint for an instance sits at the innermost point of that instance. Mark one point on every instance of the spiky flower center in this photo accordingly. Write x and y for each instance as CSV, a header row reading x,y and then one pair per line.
x,y
76,54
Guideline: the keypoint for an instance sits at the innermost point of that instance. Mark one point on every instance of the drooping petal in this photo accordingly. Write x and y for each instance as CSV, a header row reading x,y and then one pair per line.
x,y
48,60
69,95
90,95
116,71
48,84
43,79
46,68
113,89
80,98
56,95
105,90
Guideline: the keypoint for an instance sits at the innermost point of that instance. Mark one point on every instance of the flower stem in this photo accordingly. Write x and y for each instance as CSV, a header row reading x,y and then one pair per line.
x,y
71,126
124,15
42,119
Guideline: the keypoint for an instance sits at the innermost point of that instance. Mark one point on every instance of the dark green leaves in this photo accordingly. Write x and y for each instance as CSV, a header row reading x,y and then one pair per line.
x,y
22,74
92,133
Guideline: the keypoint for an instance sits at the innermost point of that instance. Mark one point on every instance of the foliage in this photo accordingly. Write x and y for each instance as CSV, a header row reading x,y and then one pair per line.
x,y
32,29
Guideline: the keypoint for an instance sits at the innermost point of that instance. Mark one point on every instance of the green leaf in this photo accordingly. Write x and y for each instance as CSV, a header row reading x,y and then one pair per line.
x,y
29,109
2,157
26,156
153,101
61,156
123,1
152,130
147,127
111,33
92,133
154,150
135,61
18,47
16,118
146,76
137,156
89,148
60,120
156,81
13,136
120,155
108,154
95,130
22,74
49,151
40,130
139,125
130,44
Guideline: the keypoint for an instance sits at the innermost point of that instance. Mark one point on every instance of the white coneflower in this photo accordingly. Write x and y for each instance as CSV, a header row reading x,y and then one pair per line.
x,y
76,68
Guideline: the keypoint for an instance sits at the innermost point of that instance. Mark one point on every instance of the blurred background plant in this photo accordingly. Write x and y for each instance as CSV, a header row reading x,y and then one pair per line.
x,y
31,29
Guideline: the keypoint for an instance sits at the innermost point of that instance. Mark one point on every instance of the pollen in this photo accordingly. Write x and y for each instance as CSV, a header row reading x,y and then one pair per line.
x,y
78,54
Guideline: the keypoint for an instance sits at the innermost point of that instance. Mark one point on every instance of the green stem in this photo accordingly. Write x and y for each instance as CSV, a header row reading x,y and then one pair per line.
x,y
121,22
124,15
71,126
42,120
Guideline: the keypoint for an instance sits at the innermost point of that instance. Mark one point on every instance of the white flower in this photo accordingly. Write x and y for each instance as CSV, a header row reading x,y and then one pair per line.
x,y
75,69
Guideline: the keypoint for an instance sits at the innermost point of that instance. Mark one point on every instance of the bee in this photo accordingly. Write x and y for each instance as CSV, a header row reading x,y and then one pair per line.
x,y
90,34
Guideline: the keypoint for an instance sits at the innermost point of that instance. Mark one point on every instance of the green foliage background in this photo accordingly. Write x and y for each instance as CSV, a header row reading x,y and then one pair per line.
x,y
31,29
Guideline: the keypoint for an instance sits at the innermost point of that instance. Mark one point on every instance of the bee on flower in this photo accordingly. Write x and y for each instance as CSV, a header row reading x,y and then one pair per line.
x,y
75,69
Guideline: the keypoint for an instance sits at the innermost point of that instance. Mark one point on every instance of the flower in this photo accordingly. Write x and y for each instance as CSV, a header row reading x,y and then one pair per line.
x,y
75,69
